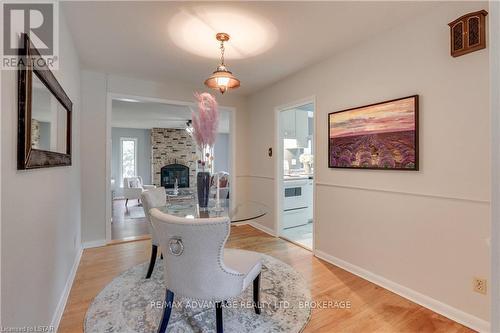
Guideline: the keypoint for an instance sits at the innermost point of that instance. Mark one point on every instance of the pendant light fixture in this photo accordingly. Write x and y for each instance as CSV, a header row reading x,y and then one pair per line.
x,y
222,79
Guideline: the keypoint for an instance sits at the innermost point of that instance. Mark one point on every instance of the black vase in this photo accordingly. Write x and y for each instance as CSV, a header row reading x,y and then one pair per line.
x,y
203,187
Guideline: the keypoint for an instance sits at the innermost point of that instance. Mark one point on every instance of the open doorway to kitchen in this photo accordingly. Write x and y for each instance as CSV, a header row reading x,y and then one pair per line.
x,y
296,173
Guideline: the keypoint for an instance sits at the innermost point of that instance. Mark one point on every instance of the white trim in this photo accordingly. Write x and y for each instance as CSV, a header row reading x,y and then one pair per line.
x,y
232,157
263,228
279,162
56,318
256,176
446,310
436,196
92,244
108,210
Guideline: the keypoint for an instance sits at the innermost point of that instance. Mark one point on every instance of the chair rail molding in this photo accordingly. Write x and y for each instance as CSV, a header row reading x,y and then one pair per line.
x,y
428,195
256,176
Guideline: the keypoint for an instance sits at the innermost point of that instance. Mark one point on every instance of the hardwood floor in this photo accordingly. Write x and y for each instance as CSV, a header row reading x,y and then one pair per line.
x,y
124,225
374,309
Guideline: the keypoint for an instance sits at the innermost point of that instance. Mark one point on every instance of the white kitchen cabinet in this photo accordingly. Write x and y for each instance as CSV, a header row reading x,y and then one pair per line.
x,y
295,125
294,218
301,128
288,124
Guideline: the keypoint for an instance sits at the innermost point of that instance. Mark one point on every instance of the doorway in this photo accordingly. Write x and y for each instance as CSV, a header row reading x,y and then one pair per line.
x,y
147,135
296,173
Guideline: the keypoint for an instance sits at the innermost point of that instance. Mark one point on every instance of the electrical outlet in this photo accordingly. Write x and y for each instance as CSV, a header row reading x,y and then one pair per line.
x,y
480,285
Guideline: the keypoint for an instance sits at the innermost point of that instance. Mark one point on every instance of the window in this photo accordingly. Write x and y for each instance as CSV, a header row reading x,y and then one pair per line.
x,y
128,157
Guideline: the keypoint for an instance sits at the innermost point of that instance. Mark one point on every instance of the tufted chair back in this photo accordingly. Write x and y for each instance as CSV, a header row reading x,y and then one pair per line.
x,y
194,253
153,198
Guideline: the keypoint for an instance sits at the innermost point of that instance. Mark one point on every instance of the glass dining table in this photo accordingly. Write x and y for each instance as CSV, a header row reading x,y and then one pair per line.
x,y
185,204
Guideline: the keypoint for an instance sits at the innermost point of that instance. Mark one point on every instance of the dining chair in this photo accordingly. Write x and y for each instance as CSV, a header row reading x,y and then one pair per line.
x,y
198,267
153,198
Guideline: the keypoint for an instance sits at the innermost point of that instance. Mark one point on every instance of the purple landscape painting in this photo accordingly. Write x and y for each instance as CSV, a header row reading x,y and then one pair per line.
x,y
379,136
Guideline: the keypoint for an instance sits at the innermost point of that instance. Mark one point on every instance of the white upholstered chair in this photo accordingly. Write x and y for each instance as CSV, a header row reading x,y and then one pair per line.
x,y
133,187
198,267
153,198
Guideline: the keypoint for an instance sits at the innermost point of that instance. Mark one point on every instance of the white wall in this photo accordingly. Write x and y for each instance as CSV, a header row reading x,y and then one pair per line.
x,y
426,231
95,88
93,156
221,152
40,211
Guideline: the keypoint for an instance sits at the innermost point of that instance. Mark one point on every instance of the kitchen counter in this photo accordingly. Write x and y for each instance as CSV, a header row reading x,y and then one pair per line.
x,y
297,177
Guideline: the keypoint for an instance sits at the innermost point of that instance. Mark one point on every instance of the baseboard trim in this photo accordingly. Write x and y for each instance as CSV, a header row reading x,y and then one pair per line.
x,y
263,228
446,310
97,243
56,319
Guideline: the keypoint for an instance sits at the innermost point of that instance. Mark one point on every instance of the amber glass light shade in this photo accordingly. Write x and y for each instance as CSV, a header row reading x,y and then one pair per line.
x,y
222,79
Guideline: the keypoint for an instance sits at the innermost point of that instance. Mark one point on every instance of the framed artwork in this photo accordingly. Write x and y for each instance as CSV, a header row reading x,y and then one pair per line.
x,y
377,136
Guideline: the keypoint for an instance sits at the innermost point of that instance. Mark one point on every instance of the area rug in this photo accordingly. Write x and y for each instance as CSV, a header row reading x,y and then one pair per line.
x,y
130,303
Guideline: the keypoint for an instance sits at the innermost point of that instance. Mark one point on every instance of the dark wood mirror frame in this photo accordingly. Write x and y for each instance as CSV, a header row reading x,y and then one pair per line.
x,y
31,63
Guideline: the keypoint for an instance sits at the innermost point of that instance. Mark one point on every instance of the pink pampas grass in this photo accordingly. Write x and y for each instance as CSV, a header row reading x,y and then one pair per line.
x,y
206,121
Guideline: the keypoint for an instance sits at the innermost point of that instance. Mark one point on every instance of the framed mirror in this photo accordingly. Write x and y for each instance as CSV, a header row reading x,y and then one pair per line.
x,y
44,121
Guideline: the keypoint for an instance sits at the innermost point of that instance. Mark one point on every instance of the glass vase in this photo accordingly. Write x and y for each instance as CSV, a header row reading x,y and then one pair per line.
x,y
203,188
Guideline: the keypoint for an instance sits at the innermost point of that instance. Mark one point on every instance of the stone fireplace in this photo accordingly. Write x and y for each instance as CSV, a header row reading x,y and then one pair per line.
x,y
172,147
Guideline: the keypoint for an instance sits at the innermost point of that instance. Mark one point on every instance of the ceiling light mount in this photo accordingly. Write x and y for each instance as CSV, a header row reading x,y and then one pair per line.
x,y
222,37
222,79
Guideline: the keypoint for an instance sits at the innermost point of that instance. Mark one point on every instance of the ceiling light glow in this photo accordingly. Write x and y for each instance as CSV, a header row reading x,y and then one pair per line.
x,y
193,29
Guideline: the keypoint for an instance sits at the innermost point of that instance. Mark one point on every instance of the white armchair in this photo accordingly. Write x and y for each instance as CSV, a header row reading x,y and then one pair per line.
x,y
223,185
133,187
198,267
153,198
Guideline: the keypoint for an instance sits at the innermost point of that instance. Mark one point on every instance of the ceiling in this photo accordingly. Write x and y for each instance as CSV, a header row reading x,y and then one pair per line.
x,y
269,40
147,115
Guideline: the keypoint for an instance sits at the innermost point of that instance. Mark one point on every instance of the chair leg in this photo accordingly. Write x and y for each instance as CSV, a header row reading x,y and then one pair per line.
x,y
256,294
161,256
169,304
154,251
126,203
218,317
